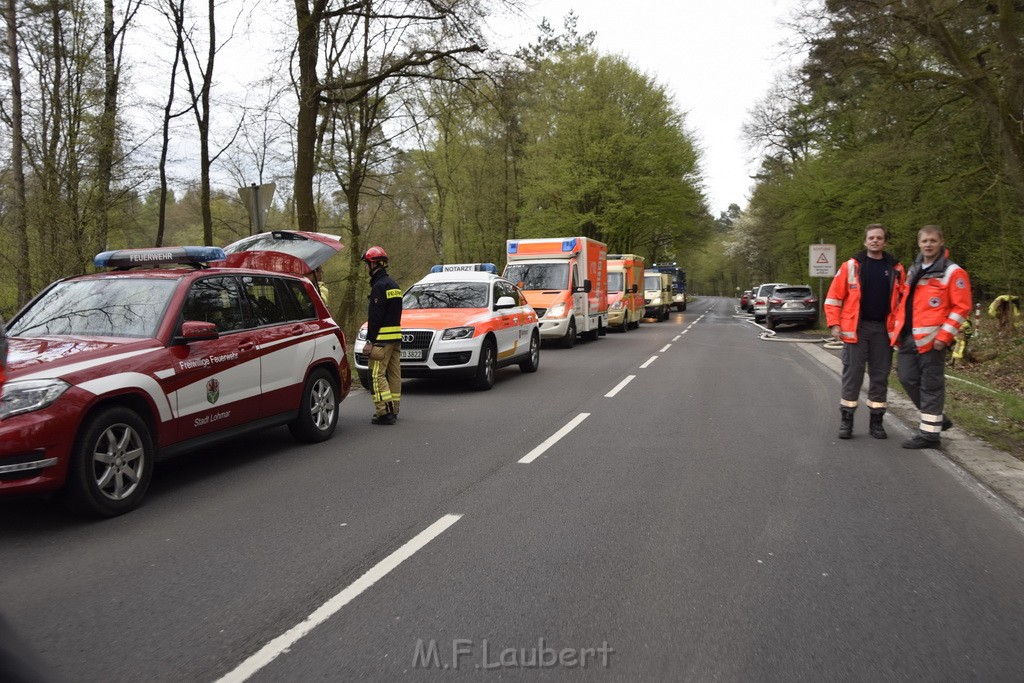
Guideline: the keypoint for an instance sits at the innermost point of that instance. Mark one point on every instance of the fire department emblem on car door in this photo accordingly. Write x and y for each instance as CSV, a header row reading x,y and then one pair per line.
x,y
213,390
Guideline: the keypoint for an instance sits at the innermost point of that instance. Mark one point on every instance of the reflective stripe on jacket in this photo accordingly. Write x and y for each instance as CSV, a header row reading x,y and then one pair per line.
x,y
842,303
942,302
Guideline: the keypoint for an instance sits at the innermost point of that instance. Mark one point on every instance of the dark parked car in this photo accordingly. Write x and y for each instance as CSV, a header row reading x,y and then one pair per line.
x,y
792,304
744,298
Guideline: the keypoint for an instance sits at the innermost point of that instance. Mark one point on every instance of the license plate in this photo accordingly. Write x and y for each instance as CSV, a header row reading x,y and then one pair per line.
x,y
792,304
411,354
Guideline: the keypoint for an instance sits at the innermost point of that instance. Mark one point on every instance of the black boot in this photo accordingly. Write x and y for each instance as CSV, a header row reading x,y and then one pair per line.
x,y
875,427
918,441
845,423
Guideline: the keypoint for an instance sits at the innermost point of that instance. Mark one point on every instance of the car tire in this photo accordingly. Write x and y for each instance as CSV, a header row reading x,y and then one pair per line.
x,y
485,369
318,408
111,463
770,323
569,339
532,361
364,378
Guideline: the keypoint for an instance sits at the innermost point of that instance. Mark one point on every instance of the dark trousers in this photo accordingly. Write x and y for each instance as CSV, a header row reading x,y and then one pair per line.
x,y
923,376
872,350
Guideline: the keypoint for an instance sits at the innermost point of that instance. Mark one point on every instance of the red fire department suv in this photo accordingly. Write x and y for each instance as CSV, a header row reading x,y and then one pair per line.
x,y
109,372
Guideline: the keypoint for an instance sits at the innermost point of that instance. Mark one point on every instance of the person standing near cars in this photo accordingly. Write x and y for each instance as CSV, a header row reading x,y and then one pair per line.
x,y
860,307
937,301
383,338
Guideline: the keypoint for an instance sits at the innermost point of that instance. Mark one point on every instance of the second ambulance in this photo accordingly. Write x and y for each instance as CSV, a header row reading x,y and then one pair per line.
x,y
565,279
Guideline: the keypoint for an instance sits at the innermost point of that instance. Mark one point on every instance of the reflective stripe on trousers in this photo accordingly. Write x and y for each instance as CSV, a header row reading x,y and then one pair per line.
x,y
871,350
923,376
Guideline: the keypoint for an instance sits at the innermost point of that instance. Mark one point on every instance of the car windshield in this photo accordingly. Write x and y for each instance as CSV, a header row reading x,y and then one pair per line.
x,y
615,281
652,282
446,295
102,307
534,276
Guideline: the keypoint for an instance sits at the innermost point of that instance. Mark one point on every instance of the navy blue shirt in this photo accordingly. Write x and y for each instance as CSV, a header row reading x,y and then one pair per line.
x,y
875,279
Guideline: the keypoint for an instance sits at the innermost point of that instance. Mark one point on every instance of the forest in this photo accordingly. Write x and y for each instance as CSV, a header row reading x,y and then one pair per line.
x,y
399,123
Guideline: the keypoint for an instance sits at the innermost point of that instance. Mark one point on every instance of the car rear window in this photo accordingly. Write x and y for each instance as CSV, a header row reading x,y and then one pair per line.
x,y
792,292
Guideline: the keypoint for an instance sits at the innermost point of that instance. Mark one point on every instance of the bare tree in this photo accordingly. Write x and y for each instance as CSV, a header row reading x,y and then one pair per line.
x,y
113,50
417,34
19,223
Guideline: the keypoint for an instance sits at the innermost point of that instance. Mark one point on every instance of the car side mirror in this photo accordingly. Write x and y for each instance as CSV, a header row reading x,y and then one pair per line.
x,y
504,302
587,286
196,330
634,288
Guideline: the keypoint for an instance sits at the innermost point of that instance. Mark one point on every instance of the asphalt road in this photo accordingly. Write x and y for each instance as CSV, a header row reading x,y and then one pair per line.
x,y
698,522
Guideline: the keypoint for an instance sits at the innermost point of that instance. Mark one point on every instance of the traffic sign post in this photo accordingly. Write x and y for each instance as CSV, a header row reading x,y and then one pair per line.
x,y
823,260
822,264
257,199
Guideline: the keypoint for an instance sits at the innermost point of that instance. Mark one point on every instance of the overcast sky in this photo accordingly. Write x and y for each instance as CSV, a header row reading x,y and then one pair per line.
x,y
717,57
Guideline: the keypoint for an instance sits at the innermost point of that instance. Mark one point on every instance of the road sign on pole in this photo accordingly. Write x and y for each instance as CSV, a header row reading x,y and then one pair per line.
x,y
823,260
257,199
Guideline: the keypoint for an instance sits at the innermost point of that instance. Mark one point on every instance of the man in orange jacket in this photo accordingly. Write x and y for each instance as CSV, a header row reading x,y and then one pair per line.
x,y
859,309
937,301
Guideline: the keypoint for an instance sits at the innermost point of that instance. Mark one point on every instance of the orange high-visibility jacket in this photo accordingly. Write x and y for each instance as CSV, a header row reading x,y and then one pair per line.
x,y
942,302
842,303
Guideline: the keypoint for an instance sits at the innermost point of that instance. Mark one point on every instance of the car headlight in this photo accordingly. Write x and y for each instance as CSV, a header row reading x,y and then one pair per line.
x,y
616,306
28,395
361,335
655,301
457,333
556,311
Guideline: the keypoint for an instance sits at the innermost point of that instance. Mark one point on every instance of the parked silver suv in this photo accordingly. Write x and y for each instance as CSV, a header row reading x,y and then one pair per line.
x,y
792,304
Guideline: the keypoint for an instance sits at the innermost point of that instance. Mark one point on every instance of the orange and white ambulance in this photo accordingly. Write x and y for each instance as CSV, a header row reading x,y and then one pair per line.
x,y
565,279
462,320
625,293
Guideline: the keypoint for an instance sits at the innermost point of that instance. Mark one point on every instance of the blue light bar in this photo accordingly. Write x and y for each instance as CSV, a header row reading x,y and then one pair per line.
x,y
464,267
158,256
569,244
513,247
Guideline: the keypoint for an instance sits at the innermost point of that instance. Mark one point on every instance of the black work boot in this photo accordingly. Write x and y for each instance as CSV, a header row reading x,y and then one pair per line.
x,y
946,424
918,441
845,423
875,427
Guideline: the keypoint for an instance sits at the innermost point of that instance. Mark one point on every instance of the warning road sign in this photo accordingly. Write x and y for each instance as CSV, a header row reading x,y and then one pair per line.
x,y
823,260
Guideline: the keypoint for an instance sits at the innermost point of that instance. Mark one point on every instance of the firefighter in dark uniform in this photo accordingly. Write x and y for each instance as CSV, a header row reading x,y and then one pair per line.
x,y
384,338
860,308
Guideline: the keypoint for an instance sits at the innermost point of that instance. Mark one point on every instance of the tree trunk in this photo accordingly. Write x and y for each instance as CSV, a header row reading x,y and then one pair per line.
x,y
308,20
18,219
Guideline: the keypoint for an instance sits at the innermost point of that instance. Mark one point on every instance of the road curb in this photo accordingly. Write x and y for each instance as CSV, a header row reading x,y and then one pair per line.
x,y
996,470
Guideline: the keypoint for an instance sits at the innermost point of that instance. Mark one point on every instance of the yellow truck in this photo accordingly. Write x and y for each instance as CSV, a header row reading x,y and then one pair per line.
x,y
657,294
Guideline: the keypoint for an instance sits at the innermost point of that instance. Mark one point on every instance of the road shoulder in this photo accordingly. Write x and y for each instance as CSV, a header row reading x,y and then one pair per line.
x,y
996,470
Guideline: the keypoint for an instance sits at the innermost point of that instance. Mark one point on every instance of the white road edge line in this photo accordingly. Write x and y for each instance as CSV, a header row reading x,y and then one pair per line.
x,y
649,361
665,348
553,439
278,645
676,338
618,388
